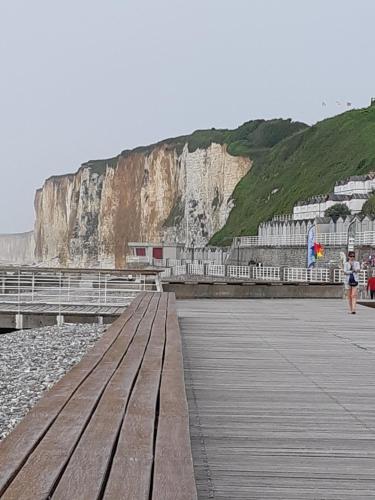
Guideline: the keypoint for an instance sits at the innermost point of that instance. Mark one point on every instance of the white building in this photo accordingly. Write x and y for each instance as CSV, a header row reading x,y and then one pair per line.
x,y
360,184
316,206
353,192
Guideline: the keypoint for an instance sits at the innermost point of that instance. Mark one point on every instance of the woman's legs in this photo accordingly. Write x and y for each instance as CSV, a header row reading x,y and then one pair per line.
x,y
354,297
349,295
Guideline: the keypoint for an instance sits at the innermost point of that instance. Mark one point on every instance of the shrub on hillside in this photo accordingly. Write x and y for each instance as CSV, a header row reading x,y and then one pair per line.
x,y
369,207
337,210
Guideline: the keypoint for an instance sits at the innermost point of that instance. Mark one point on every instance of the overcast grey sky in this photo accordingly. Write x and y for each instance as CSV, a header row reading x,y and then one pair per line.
x,y
85,79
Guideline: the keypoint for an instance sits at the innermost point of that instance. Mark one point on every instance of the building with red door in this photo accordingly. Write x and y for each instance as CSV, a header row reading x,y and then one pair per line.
x,y
150,253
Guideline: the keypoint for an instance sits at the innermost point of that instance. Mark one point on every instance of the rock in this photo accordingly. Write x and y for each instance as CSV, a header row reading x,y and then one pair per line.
x,y
31,361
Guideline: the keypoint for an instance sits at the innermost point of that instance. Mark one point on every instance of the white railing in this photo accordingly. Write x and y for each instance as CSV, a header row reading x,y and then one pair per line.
x,y
166,273
282,240
136,259
174,262
195,269
365,238
266,273
215,270
179,270
338,276
299,274
286,274
84,288
239,271
329,239
159,262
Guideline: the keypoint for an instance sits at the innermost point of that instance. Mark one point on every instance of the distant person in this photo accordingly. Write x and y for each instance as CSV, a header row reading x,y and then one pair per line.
x,y
351,280
371,287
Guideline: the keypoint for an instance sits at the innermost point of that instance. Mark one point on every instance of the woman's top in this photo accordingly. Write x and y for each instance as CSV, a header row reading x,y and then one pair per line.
x,y
349,268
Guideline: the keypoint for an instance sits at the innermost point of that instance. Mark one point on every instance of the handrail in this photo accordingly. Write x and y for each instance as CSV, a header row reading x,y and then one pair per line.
x,y
262,273
334,239
65,288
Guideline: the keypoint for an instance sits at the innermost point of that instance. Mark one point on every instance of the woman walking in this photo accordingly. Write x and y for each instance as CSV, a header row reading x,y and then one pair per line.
x,y
351,279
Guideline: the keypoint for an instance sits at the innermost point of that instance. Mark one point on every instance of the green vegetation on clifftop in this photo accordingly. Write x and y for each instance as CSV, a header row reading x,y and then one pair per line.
x,y
302,165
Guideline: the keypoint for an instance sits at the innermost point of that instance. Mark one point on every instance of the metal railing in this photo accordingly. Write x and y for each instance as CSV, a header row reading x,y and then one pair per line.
x,y
83,288
287,274
338,276
330,239
304,275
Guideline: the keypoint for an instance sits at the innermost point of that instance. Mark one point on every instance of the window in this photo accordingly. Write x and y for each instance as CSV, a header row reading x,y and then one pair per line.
x,y
140,252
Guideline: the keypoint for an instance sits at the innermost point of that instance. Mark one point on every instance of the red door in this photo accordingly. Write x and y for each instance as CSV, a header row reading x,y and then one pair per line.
x,y
157,253
140,252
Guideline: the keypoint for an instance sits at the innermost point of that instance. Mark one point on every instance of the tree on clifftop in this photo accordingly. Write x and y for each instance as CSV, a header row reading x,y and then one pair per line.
x,y
369,207
337,210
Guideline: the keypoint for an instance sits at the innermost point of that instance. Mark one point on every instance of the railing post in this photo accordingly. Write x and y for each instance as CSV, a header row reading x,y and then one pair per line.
x,y
99,289
19,291
60,319
32,286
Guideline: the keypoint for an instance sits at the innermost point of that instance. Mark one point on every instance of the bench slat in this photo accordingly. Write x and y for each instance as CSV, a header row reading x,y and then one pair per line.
x,y
87,468
174,472
44,465
15,449
117,425
131,472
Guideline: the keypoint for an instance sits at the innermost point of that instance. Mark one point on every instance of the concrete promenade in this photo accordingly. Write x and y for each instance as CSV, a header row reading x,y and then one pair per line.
x,y
281,398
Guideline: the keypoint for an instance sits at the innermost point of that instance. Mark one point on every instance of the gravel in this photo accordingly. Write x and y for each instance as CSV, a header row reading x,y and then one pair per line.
x,y
32,361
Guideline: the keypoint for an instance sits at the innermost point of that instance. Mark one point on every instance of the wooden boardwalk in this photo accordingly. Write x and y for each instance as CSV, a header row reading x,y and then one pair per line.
x,y
116,426
281,398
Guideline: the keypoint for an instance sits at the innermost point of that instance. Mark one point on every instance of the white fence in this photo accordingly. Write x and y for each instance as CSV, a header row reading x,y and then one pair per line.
x,y
338,276
215,270
286,274
266,273
239,271
330,239
299,274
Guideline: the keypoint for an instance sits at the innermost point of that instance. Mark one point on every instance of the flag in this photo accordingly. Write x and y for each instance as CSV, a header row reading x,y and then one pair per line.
x,y
311,237
318,250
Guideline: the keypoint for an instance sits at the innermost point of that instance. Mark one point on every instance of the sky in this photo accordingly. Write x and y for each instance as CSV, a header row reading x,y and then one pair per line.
x,y
85,79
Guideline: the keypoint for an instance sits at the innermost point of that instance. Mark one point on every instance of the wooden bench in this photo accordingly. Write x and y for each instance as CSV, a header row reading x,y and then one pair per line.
x,y
116,426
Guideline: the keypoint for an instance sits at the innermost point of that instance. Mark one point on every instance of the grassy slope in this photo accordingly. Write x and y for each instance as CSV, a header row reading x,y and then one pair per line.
x,y
253,138
305,164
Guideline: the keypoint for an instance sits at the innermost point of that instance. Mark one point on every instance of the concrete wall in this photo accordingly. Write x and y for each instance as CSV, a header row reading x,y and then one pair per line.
x,y
253,291
17,248
283,256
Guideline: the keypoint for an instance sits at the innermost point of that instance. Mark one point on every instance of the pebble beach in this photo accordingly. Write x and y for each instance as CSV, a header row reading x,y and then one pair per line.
x,y
32,361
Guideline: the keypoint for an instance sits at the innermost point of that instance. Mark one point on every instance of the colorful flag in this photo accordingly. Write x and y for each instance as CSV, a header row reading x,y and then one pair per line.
x,y
318,250
315,250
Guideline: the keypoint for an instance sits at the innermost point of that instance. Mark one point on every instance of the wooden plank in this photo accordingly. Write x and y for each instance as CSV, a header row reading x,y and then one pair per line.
x,y
21,442
281,398
131,472
85,474
173,472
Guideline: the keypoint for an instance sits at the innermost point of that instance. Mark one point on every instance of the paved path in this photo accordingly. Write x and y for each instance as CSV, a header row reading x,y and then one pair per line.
x,y
281,398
